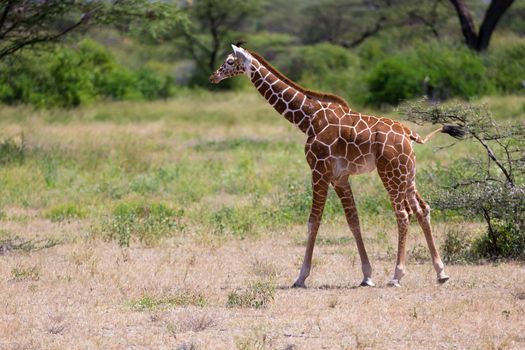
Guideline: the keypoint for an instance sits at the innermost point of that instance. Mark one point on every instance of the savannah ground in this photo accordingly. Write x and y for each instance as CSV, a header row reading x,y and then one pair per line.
x,y
211,193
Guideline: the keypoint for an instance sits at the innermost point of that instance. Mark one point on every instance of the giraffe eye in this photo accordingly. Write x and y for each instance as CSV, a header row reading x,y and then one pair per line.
x,y
230,61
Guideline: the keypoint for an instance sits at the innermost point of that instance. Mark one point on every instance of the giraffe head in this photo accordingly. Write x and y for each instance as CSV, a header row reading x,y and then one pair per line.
x,y
236,63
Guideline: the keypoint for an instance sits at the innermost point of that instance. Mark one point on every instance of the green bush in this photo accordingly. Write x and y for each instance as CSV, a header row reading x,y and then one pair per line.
x,y
153,85
456,248
68,77
435,70
503,240
118,83
506,67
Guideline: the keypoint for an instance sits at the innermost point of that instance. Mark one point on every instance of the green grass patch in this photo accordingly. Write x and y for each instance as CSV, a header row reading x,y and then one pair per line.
x,y
147,302
67,211
237,221
144,222
257,295
21,273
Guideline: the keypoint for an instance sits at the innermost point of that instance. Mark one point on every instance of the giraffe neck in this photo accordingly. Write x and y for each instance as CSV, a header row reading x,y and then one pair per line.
x,y
294,105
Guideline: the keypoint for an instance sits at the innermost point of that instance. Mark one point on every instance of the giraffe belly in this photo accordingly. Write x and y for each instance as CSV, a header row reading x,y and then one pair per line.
x,y
344,167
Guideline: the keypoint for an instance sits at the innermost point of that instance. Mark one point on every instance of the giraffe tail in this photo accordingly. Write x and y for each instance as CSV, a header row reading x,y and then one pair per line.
x,y
455,131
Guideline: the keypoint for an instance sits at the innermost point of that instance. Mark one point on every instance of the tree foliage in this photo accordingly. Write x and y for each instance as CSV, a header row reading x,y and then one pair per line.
x,y
29,23
350,23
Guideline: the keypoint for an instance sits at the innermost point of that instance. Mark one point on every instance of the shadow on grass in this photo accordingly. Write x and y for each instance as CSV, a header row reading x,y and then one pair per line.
x,y
321,287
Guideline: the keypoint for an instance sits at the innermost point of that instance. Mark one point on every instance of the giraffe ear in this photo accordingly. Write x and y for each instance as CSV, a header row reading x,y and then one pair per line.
x,y
239,52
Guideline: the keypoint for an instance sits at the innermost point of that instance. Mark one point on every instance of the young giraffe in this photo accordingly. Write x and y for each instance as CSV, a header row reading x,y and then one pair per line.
x,y
342,143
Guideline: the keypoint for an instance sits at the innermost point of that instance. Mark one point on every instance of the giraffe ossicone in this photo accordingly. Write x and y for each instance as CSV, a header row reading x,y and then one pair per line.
x,y
341,143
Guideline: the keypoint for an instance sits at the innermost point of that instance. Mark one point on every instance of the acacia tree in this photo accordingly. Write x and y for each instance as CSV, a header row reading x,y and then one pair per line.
x,y
479,41
491,187
29,23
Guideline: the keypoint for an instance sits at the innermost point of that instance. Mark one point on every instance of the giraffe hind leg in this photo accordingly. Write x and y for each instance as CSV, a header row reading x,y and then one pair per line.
x,y
422,211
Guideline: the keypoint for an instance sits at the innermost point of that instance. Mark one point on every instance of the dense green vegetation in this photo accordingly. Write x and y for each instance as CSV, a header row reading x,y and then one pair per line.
x,y
398,52
70,76
201,164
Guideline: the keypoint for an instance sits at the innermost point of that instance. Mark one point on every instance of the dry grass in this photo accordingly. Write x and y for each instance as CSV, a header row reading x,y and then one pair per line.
x,y
82,296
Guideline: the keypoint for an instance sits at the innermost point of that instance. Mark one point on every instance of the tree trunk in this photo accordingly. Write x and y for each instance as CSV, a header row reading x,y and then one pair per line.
x,y
496,9
467,24
475,41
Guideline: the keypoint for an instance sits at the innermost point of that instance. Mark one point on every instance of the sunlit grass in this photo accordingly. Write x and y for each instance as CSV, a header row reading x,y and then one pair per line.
x,y
226,161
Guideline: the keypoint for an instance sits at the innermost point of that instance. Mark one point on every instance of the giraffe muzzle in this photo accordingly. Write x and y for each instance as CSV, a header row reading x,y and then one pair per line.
x,y
215,78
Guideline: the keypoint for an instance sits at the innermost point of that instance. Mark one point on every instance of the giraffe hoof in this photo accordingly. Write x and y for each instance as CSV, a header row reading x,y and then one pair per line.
x,y
299,285
443,279
367,282
394,283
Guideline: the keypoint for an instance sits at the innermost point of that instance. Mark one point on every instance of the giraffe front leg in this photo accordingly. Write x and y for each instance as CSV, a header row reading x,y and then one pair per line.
x,y
344,191
320,190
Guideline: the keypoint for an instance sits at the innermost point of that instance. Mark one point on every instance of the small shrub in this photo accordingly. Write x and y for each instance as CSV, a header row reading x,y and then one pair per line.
x,y
263,269
25,273
505,240
419,254
66,211
258,341
191,322
148,302
119,84
11,151
146,222
456,247
257,295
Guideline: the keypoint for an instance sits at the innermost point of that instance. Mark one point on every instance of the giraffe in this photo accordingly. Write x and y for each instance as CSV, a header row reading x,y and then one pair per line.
x,y
341,143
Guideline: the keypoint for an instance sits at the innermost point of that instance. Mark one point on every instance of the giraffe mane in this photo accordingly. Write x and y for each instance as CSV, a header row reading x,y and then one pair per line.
x,y
309,93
